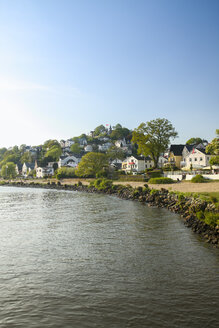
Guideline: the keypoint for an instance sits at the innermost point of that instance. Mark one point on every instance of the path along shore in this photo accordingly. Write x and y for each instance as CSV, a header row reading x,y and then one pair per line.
x,y
181,186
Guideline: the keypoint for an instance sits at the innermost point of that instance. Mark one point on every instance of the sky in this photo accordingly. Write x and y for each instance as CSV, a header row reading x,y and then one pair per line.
x,y
67,66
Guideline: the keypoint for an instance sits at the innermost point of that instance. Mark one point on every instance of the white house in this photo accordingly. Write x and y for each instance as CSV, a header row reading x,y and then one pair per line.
x,y
198,158
88,148
105,146
134,164
27,167
149,163
70,161
162,161
68,143
41,172
121,143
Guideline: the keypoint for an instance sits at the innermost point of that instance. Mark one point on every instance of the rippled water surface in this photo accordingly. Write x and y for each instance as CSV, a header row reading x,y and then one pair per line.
x,y
70,259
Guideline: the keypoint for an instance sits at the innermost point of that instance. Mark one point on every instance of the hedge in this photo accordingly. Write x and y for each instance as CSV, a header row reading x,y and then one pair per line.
x,y
161,180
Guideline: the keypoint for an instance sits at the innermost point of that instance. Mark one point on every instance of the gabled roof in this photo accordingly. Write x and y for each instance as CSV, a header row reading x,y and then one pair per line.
x,y
30,165
189,147
19,166
176,149
139,158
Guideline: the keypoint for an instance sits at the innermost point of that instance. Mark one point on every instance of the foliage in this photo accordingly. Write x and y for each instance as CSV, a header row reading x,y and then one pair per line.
x,y
198,179
154,137
8,170
200,215
2,151
161,180
50,143
75,148
53,154
26,158
99,130
65,172
91,164
214,160
115,153
103,184
194,141
213,147
211,218
154,173
119,133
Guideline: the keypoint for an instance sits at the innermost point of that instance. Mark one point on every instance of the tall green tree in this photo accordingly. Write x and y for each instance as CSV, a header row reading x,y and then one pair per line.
x,y
115,153
213,148
26,158
53,154
8,170
194,141
75,148
153,138
99,130
91,164
119,133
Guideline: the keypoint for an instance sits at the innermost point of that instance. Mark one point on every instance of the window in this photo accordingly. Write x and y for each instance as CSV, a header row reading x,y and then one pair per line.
x,y
190,159
200,158
195,159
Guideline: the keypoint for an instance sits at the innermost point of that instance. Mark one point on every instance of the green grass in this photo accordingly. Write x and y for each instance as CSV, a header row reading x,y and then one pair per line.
x,y
212,197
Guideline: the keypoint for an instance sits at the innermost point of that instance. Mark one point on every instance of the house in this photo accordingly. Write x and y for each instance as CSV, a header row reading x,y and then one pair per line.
x,y
41,172
197,158
175,155
121,143
162,161
62,143
82,141
149,163
134,164
68,143
88,148
18,168
116,164
69,161
27,167
105,146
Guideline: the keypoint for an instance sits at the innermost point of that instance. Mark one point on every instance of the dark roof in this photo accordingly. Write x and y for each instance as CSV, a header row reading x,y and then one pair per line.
x,y
139,158
189,147
30,165
177,149
19,166
148,158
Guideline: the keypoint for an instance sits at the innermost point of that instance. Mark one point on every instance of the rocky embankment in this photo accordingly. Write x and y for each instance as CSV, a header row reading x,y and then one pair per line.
x,y
191,210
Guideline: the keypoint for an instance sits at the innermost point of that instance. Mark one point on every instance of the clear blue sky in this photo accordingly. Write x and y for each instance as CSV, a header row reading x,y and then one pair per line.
x,y
67,66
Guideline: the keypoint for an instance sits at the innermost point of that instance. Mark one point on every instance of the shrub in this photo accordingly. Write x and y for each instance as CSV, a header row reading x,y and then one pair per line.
x,y
200,215
161,180
198,179
103,184
154,174
65,172
154,192
211,219
213,199
181,197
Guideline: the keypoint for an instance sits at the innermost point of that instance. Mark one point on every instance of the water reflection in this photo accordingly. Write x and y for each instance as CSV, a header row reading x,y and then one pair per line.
x,y
70,259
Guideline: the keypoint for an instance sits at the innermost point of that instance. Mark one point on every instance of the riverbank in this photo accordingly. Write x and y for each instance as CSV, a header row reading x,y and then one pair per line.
x,y
199,215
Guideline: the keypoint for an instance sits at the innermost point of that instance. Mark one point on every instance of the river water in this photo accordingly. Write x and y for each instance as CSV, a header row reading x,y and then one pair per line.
x,y
70,259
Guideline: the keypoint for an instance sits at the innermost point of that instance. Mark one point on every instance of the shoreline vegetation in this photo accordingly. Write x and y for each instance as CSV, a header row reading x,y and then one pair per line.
x,y
198,205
